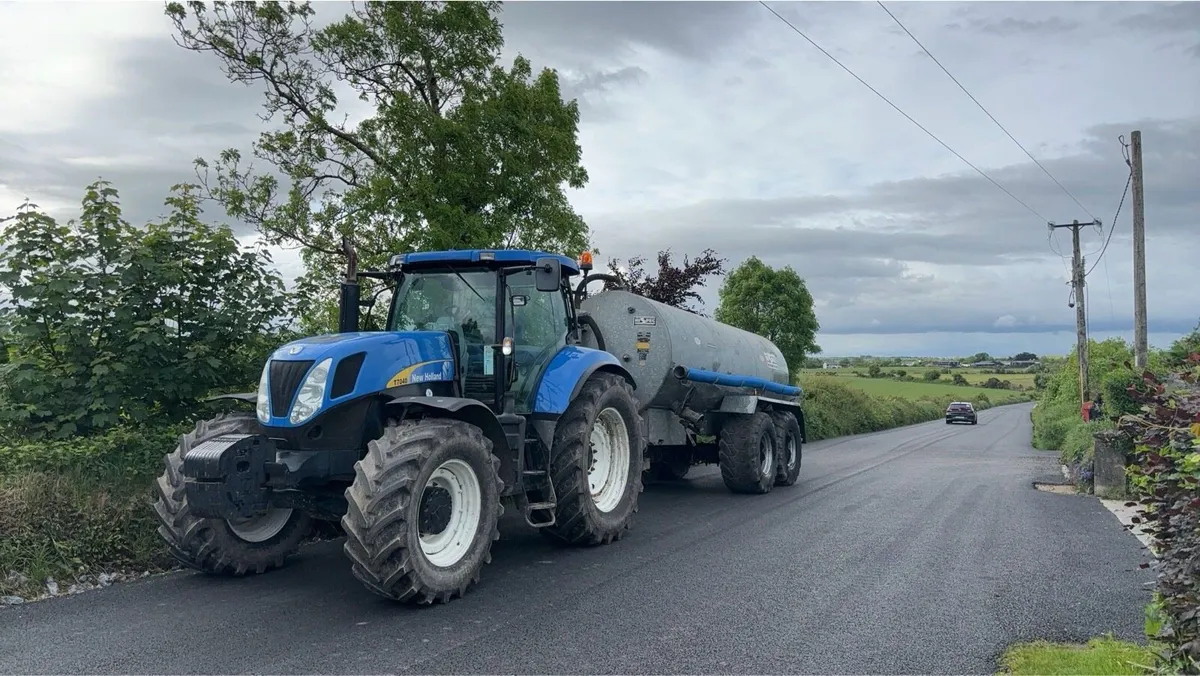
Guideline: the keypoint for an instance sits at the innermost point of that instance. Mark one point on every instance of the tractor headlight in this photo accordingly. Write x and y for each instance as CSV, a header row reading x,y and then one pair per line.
x,y
264,409
312,393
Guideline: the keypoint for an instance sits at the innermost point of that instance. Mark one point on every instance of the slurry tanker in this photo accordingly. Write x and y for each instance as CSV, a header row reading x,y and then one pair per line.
x,y
495,382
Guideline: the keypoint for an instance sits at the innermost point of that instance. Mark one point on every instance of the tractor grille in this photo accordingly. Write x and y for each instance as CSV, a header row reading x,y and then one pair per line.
x,y
285,380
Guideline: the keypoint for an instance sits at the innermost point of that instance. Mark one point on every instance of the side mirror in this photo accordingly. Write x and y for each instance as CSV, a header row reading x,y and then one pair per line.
x,y
548,275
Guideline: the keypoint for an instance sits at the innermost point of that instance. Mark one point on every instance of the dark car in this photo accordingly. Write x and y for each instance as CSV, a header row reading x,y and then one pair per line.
x,y
961,411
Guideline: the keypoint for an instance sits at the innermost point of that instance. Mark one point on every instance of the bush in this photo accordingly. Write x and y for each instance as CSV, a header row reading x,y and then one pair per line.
x,y
932,375
958,379
1166,477
111,323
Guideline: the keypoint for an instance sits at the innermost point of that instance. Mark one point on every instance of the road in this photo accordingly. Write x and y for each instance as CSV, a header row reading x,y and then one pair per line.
x,y
918,550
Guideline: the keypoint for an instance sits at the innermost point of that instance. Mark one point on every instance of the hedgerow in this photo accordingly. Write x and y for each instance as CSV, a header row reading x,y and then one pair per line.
x,y
1166,479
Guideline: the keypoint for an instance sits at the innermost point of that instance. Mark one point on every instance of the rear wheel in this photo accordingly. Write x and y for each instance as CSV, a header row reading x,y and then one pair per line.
x,y
747,453
787,433
222,546
423,510
596,463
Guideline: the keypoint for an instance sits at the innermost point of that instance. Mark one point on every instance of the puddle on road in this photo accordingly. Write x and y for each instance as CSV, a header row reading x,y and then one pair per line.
x,y
1061,489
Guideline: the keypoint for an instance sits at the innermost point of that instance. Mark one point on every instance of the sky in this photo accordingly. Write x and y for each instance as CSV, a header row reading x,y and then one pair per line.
x,y
713,124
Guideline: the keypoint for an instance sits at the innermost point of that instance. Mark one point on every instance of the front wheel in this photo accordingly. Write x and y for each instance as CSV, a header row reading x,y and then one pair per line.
x,y
221,546
596,463
423,510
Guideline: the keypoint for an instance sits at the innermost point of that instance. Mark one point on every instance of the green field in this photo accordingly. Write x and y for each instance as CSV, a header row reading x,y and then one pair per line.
x,y
973,376
917,390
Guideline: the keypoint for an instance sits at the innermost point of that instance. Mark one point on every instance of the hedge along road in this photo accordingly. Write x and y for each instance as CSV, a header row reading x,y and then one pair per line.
x,y
922,550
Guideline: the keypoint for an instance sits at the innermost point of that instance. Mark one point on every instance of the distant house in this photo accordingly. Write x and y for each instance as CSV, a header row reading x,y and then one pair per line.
x,y
984,365
831,365
1022,363
912,363
946,364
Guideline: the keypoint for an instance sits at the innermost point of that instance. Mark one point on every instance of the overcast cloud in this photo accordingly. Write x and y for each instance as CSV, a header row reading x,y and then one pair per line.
x,y
712,124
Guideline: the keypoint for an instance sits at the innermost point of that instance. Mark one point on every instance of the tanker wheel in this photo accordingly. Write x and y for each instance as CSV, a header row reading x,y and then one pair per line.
x,y
220,546
596,463
423,510
747,453
787,433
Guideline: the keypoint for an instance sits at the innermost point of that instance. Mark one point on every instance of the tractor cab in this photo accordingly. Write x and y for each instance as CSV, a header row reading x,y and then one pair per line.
x,y
508,313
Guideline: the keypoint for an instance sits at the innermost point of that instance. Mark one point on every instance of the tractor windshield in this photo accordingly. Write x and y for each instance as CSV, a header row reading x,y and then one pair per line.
x,y
447,301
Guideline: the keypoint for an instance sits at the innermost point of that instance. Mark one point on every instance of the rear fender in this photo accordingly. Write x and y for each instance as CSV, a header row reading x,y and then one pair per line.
x,y
565,375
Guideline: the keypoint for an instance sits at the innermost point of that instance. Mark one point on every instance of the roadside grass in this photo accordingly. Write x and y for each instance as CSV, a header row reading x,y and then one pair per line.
x,y
918,390
1104,656
66,524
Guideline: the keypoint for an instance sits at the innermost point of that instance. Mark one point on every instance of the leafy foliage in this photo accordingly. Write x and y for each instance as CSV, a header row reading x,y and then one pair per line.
x,y
933,375
674,285
1025,356
775,304
110,323
1166,476
1181,349
460,152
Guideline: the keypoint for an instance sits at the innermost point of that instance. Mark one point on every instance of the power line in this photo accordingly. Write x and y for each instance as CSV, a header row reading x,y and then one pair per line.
x,y
906,115
1113,225
985,110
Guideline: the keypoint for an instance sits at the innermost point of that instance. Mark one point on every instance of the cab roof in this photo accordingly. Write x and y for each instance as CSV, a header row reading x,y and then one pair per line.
x,y
479,258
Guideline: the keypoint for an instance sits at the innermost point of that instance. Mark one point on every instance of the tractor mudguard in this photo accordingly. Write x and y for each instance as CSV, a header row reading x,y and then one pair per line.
x,y
458,408
565,375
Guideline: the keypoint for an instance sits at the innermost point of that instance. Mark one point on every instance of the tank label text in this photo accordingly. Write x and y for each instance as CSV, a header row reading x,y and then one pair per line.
x,y
645,320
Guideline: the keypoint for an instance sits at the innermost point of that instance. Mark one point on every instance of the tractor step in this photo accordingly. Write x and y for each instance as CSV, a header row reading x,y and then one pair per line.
x,y
540,514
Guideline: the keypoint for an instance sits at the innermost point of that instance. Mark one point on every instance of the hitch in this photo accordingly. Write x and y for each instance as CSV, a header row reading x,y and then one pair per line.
x,y
225,476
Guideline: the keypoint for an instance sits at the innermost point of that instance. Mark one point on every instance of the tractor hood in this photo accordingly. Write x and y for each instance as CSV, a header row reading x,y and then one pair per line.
x,y
309,375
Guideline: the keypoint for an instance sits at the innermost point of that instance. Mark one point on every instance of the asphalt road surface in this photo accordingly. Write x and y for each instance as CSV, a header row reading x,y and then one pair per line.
x,y
918,550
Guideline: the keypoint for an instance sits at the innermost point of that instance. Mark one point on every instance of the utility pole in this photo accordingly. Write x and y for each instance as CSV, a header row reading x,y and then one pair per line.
x,y
1077,275
1140,348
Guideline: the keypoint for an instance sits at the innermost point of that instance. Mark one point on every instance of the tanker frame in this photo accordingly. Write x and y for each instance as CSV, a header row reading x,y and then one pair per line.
x,y
709,392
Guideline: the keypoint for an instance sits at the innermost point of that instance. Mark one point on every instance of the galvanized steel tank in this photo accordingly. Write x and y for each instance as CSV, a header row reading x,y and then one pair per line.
x,y
651,338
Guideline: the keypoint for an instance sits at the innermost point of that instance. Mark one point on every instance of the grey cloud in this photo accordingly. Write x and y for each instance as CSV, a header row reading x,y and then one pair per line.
x,y
588,89
1169,18
1009,26
1174,17
601,30
858,249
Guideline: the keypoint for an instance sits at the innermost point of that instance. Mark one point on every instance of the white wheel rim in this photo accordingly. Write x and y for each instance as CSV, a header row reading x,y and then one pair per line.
x,y
262,527
791,447
447,545
609,467
766,450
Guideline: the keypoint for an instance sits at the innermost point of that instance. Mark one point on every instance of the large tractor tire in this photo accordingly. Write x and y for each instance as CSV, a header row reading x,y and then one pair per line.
x,y
788,451
747,453
220,546
596,463
423,510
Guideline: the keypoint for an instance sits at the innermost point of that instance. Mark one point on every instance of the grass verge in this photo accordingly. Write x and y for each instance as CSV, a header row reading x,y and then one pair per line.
x,y
1104,656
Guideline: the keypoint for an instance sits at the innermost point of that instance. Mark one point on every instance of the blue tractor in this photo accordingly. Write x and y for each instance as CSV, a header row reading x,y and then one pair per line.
x,y
478,393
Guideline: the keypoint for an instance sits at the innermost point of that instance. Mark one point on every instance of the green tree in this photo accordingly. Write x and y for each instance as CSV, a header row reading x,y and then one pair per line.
x,y
459,152
774,304
110,323
932,375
